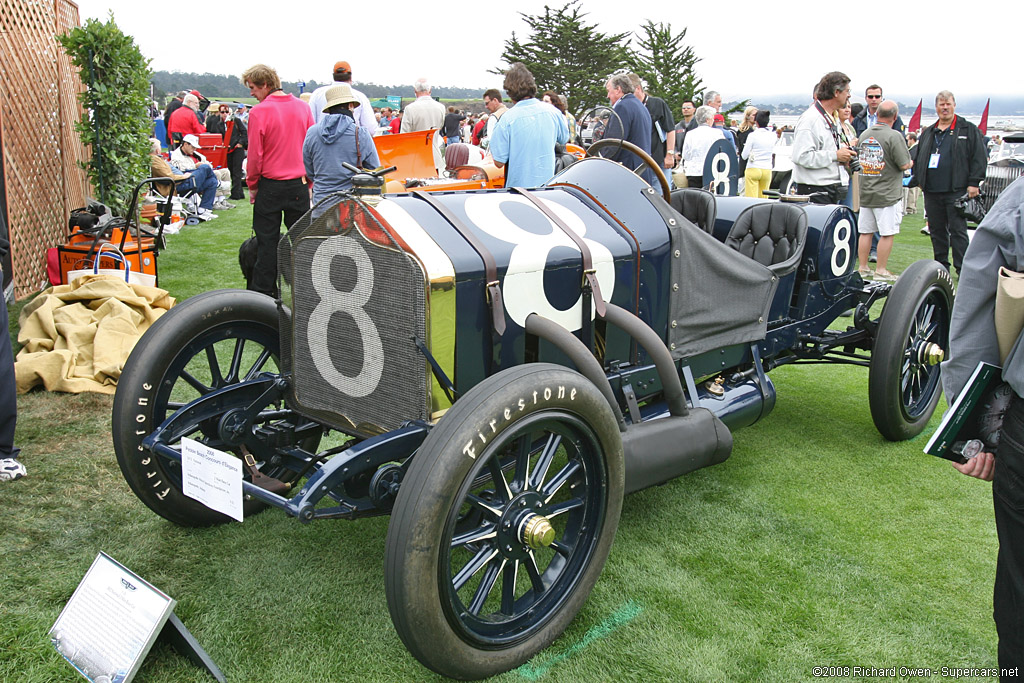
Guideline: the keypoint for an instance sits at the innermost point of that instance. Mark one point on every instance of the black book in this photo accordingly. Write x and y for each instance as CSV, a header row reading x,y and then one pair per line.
x,y
973,422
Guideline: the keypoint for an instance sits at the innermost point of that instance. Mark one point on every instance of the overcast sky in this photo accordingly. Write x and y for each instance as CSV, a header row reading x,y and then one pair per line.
x,y
764,51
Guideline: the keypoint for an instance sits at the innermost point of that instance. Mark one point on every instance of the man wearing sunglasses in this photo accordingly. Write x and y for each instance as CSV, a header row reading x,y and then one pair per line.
x,y
869,117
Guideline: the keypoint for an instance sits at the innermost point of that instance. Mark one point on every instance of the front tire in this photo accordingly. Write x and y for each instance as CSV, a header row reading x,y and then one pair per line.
x,y
205,343
904,382
504,521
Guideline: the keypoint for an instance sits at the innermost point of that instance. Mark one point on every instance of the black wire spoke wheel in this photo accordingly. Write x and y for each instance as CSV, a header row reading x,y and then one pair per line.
x,y
517,544
206,343
491,555
904,382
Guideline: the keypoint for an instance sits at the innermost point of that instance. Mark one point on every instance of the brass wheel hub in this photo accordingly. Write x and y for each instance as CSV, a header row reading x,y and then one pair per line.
x,y
536,532
932,354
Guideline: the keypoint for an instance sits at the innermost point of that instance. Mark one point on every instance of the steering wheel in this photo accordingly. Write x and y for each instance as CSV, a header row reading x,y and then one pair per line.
x,y
644,157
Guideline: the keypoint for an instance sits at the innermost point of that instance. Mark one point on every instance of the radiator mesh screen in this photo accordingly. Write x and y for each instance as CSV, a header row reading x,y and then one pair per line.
x,y
356,303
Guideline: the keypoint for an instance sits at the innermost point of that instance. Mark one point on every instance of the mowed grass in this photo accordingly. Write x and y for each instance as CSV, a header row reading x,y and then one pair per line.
x,y
816,544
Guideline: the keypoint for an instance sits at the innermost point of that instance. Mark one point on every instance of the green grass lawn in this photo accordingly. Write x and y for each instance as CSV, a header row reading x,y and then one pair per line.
x,y
816,544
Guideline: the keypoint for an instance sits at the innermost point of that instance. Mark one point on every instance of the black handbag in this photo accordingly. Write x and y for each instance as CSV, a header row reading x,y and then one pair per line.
x,y
247,258
971,208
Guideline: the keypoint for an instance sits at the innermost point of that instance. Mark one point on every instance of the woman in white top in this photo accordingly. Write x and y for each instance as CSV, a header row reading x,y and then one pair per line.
x,y
758,153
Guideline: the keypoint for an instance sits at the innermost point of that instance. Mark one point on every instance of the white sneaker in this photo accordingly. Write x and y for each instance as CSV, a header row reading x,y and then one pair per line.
x,y
11,469
206,215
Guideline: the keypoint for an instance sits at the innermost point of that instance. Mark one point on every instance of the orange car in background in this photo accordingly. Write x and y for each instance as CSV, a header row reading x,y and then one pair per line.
x,y
412,155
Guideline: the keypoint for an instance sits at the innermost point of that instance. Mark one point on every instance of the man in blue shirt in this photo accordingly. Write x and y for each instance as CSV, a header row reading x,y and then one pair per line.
x,y
635,125
524,139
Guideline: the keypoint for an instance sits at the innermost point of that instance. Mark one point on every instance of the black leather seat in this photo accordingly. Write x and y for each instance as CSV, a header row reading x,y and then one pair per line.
x,y
773,234
698,206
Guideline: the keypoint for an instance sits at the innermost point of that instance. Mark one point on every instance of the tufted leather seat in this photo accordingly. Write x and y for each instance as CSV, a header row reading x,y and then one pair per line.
x,y
773,234
698,206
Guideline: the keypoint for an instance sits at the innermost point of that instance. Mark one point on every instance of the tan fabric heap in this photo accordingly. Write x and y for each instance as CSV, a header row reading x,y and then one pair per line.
x,y
77,337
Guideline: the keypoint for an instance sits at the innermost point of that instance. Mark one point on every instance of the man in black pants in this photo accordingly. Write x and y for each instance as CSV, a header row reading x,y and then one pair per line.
x,y
236,154
999,241
951,160
276,172
10,468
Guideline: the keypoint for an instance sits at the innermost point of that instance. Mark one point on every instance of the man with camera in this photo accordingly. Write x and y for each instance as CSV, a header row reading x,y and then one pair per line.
x,y
819,143
951,161
883,156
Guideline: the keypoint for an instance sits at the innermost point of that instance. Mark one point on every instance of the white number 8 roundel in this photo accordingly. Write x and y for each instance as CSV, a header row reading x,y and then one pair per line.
x,y
523,287
720,169
841,247
333,301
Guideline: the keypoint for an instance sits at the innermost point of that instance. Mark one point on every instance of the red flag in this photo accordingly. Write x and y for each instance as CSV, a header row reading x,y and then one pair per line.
x,y
983,126
915,120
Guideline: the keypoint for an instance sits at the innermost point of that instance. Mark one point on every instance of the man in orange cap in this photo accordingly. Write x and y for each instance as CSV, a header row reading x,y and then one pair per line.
x,y
363,114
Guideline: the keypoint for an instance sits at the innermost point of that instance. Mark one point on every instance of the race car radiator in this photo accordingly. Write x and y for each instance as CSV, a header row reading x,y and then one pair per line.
x,y
353,304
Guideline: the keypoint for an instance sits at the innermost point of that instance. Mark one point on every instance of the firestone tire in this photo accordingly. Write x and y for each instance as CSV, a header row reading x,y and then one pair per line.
x,y
531,445
153,384
904,381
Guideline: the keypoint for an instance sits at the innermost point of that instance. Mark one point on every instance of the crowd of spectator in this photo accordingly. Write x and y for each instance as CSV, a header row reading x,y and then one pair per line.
x,y
825,146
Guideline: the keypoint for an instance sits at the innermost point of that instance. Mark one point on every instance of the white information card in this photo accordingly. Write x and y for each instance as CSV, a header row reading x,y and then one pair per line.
x,y
110,622
212,477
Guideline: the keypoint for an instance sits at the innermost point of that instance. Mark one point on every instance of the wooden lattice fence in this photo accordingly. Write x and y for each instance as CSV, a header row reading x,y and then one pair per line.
x,y
38,110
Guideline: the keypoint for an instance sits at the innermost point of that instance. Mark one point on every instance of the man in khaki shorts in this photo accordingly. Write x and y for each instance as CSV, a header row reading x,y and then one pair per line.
x,y
883,155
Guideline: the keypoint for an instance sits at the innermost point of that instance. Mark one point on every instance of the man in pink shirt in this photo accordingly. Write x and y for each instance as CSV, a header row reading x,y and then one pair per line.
x,y
275,172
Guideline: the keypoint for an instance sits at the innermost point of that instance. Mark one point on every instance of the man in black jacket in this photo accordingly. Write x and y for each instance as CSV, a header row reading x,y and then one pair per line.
x,y
951,160
869,117
236,150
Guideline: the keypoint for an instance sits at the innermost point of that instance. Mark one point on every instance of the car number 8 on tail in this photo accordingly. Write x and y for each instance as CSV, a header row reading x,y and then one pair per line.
x,y
841,246
720,173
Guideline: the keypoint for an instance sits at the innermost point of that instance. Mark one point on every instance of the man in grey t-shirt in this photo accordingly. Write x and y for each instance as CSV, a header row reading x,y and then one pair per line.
x,y
884,156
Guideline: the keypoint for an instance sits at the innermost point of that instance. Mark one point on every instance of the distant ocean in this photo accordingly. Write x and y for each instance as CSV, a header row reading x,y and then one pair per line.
x,y
996,124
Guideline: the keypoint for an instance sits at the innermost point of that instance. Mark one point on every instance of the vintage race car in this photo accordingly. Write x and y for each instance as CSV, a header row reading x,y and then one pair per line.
x,y
504,365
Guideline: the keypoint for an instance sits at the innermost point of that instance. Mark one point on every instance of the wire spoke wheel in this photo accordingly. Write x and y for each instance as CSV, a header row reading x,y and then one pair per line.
x,y
517,541
504,521
206,343
904,382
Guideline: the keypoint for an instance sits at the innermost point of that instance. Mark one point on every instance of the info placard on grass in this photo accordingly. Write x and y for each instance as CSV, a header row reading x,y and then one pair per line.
x,y
212,477
110,622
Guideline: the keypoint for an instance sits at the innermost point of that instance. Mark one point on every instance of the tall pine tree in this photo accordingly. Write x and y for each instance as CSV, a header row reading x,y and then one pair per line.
x,y
567,55
667,64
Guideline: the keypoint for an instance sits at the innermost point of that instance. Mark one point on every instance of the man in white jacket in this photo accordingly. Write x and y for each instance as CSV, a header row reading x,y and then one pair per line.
x,y
819,144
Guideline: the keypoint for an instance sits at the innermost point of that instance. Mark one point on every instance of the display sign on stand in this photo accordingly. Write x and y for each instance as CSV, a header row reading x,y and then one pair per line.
x,y
112,620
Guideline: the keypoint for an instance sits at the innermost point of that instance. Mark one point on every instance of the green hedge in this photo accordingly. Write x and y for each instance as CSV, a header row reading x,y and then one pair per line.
x,y
116,122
